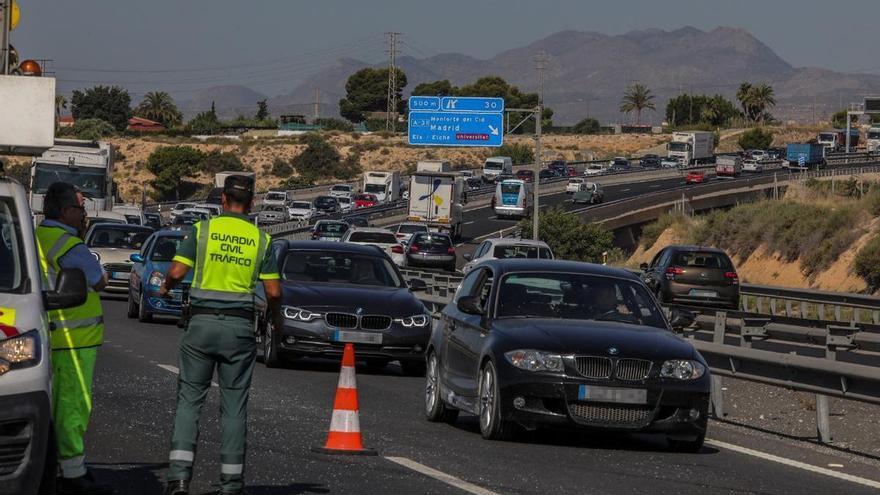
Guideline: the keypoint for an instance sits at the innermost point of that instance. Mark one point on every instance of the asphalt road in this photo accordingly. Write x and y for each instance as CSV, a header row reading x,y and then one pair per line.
x,y
128,439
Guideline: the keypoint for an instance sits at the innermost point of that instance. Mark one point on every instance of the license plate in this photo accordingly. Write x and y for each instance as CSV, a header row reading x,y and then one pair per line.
x,y
703,293
357,337
592,393
120,275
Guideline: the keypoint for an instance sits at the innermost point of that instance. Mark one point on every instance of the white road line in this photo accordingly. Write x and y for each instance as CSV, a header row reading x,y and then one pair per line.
x,y
795,464
654,185
441,476
176,371
468,223
624,190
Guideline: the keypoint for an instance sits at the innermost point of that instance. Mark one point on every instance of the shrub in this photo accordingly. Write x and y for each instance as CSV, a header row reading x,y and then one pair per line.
x,y
88,129
652,231
587,126
755,138
281,168
519,153
569,236
332,124
217,161
319,159
170,165
867,263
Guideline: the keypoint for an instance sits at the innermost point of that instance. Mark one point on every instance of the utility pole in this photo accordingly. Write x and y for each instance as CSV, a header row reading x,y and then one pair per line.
x,y
391,106
541,66
317,112
5,15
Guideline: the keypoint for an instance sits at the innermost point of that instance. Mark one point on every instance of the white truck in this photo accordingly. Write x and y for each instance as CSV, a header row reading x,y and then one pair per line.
x,y
692,147
433,166
872,141
385,185
437,199
86,164
496,166
219,179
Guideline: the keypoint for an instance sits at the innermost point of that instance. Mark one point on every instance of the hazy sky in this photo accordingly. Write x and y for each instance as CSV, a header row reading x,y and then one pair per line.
x,y
186,45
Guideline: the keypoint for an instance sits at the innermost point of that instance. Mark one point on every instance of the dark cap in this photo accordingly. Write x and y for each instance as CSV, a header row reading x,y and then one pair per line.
x,y
239,183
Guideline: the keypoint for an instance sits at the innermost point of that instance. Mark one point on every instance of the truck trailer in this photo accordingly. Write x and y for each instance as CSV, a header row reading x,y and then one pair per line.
x,y
437,199
385,185
692,147
804,155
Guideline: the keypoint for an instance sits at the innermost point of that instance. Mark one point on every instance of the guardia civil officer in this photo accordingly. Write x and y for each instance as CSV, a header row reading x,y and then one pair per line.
x,y
76,333
229,255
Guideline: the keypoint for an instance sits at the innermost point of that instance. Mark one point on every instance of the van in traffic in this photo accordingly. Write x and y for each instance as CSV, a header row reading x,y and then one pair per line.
x,y
513,198
496,166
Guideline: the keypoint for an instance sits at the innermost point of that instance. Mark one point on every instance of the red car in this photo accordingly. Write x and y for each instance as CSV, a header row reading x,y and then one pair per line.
x,y
526,175
365,200
572,172
695,177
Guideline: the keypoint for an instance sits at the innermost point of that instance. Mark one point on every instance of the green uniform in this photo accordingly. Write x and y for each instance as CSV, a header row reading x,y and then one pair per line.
x,y
229,255
75,336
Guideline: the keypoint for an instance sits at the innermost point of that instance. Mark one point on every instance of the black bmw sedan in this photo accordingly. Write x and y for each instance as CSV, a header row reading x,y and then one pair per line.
x,y
335,293
537,343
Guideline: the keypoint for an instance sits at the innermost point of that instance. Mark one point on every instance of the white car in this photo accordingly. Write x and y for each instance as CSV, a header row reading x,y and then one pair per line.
x,y
341,190
760,155
203,213
346,204
574,185
752,165
383,238
594,169
275,198
214,209
113,244
505,248
406,230
179,207
669,163
301,210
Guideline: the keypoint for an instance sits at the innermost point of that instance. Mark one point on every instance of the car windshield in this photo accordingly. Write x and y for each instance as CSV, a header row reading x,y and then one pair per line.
x,y
493,166
89,180
700,259
873,134
325,202
595,166
12,268
374,188
577,296
339,268
344,199
275,197
301,205
522,251
133,219
329,228
508,188
675,146
341,188
412,228
118,236
165,248
275,208
827,136
373,237
358,221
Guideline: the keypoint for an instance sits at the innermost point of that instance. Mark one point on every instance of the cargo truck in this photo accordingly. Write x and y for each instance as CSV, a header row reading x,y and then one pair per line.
x,y
433,166
872,141
728,166
384,185
692,147
437,199
804,155
86,164
835,139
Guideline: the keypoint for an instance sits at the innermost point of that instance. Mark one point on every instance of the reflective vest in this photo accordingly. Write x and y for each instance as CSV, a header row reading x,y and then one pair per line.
x,y
80,326
229,253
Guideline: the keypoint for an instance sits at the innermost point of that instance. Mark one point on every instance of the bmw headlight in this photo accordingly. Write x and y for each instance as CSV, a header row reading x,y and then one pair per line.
x,y
414,321
682,369
530,360
156,279
299,314
19,352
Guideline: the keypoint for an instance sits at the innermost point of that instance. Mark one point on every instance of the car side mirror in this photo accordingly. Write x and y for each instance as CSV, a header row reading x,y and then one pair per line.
x,y
417,285
643,267
70,290
136,258
469,305
467,256
680,319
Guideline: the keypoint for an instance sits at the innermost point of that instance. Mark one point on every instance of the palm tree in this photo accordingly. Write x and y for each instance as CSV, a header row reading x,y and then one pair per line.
x,y
744,95
60,104
159,106
637,97
763,98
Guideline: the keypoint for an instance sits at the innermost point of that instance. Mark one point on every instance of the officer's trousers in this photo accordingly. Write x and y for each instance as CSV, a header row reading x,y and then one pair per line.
x,y
72,371
226,343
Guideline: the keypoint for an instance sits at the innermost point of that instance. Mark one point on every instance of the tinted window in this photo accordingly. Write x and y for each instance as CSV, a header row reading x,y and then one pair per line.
x,y
523,251
373,237
165,248
341,188
467,285
325,202
276,197
338,267
107,236
575,296
703,260
90,180
301,205
12,268
411,229
510,188
331,228
432,241
375,188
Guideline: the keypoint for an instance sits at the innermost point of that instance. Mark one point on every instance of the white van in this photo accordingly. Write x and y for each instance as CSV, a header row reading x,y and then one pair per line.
x,y
513,198
495,166
25,374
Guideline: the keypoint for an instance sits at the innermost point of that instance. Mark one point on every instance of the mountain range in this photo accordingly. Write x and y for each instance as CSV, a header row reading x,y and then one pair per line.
x,y
587,72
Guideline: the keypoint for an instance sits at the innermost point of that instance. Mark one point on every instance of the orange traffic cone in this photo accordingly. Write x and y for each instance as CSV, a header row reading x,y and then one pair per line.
x,y
345,429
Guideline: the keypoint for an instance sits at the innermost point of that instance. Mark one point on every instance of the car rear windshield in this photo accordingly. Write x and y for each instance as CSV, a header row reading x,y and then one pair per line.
x,y
577,296
275,196
701,259
373,237
165,248
341,188
12,267
112,236
411,229
332,228
301,205
510,188
339,268
522,251
427,241
325,201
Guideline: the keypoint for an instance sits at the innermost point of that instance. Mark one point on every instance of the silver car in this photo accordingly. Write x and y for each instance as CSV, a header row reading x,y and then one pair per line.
x,y
113,244
273,214
505,247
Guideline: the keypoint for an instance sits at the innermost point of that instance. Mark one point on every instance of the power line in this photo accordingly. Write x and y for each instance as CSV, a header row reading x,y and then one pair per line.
x,y
392,82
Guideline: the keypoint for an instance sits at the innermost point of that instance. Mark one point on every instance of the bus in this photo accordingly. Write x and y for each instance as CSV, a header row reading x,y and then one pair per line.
x,y
513,198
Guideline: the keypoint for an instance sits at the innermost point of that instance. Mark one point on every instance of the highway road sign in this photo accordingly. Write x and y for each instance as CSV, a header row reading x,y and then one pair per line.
x,y
456,129
802,160
456,121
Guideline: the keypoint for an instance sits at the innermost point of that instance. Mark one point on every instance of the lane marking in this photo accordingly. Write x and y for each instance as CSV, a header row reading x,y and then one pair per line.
x,y
176,371
654,185
468,223
441,476
625,190
795,464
